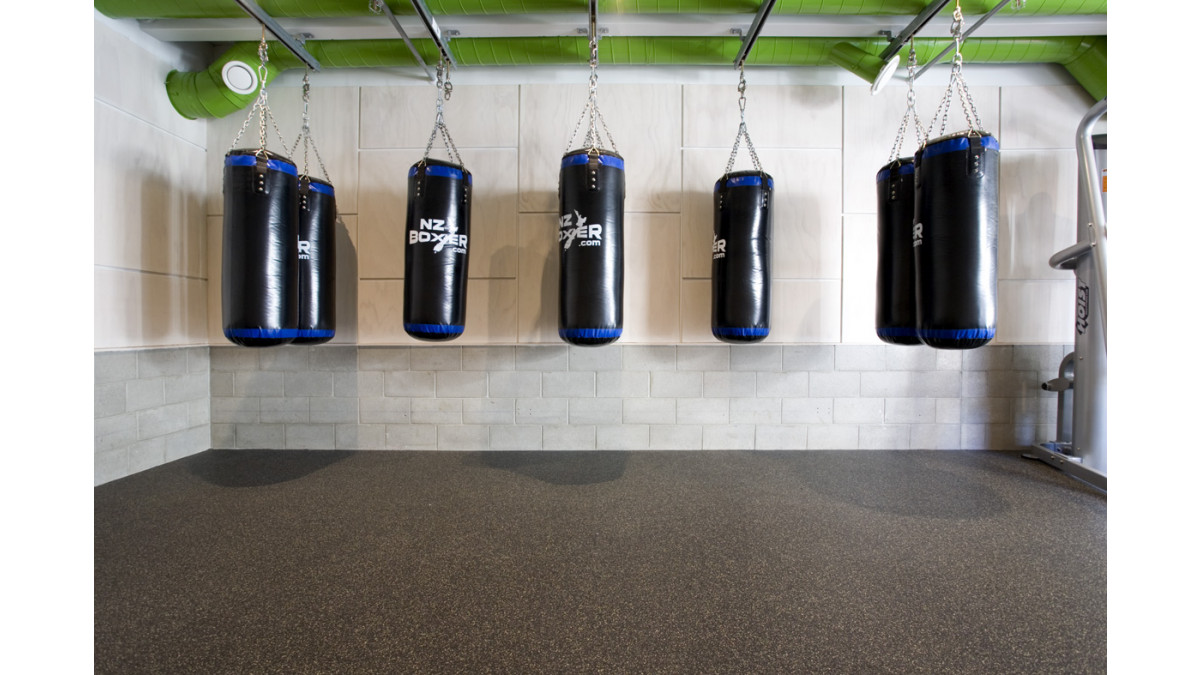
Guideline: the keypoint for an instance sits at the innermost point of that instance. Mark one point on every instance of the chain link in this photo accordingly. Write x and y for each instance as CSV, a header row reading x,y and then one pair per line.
x,y
957,85
911,112
591,111
742,130
444,89
306,135
260,105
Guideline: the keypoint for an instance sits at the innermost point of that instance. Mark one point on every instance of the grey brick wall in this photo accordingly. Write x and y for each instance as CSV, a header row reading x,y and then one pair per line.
x,y
632,397
152,406
156,405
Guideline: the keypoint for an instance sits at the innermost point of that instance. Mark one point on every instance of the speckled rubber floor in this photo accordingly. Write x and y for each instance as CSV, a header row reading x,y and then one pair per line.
x,y
600,562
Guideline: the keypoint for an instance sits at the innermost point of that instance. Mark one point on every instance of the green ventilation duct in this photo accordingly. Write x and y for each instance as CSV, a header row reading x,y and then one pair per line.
x,y
206,94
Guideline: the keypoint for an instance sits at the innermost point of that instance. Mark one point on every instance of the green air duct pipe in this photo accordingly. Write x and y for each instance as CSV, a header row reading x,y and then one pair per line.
x,y
1090,68
205,94
213,9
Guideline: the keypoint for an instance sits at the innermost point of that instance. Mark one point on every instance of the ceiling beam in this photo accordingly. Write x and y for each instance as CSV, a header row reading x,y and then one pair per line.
x,y
371,27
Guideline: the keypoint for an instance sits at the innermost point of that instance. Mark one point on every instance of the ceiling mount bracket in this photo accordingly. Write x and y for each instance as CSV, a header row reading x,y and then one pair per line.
x,y
999,6
751,36
379,6
442,43
280,34
912,28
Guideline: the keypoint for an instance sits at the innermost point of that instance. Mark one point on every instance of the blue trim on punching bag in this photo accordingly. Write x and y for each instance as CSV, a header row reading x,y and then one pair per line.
x,y
252,160
956,144
589,333
313,333
268,333
436,328
958,333
322,188
582,158
896,332
441,172
905,169
726,331
744,181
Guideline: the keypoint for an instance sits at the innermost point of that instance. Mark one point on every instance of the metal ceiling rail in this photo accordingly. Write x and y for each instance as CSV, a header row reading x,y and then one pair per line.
x,y
282,35
368,27
949,48
756,27
912,29
434,32
382,6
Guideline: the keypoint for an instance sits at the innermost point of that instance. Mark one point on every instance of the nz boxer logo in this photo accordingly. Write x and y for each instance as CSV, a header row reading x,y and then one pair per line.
x,y
441,234
587,235
718,248
918,234
305,250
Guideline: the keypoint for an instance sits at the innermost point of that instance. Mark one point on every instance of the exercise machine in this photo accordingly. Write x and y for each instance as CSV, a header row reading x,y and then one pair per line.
x,y
1080,447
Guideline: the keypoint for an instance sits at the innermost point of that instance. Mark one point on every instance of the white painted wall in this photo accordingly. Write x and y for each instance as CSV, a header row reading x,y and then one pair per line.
x,y
150,183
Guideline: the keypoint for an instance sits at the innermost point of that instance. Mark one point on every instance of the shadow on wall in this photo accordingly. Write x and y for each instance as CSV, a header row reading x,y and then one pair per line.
x,y
556,468
258,468
172,227
346,310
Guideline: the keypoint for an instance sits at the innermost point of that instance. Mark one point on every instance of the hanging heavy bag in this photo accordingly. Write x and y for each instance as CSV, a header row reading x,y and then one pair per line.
x,y
895,296
741,266
591,207
435,251
259,264
437,232
741,262
954,240
317,261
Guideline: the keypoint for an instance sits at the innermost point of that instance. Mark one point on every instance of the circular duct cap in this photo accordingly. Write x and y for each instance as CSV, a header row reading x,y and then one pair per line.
x,y
239,77
885,74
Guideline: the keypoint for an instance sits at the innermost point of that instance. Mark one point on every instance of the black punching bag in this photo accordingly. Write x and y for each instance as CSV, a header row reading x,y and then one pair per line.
x,y
259,267
435,256
895,297
741,267
954,240
318,212
591,207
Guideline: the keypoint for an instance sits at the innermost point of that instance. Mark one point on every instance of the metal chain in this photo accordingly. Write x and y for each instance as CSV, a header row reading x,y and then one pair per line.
x,y
911,112
742,130
592,140
957,84
444,89
260,104
306,135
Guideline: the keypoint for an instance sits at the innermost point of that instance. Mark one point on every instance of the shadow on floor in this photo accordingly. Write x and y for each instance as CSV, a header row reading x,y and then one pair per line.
x,y
257,468
556,468
900,483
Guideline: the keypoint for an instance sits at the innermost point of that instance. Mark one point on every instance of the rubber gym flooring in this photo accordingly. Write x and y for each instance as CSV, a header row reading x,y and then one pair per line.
x,y
600,562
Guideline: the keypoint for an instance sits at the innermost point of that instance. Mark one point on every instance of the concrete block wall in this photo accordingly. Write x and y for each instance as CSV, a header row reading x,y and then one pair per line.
x,y
649,397
151,407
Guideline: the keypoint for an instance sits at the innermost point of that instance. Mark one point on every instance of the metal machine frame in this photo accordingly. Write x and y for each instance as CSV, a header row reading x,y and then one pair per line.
x,y
1081,446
